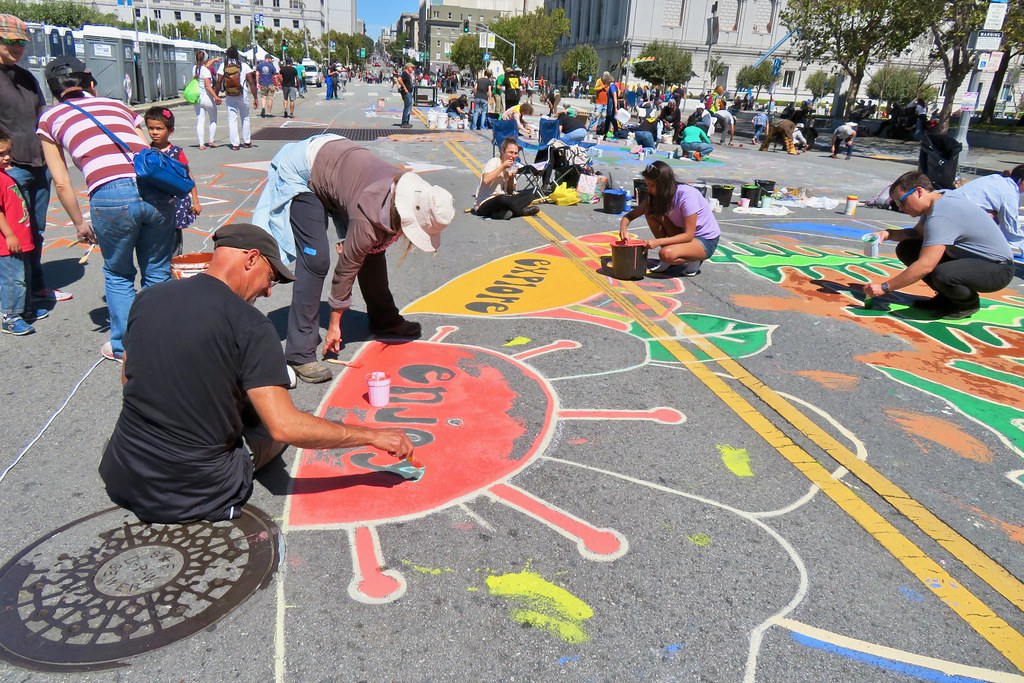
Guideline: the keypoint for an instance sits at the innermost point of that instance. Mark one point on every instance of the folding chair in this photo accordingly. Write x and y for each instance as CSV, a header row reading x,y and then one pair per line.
x,y
503,129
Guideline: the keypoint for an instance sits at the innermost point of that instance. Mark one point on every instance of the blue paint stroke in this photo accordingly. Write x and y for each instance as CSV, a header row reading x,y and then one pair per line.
x,y
672,649
911,594
913,670
832,229
562,661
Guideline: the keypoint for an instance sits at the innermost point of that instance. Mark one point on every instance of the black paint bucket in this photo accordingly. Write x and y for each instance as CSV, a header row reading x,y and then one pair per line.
x,y
723,193
614,201
753,193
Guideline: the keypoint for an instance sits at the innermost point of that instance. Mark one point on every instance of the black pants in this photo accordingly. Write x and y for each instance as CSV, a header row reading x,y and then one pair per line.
x,y
959,280
498,205
309,222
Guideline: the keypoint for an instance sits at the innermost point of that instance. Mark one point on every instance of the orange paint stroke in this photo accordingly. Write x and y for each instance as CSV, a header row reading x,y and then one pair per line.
x,y
942,432
831,380
1015,532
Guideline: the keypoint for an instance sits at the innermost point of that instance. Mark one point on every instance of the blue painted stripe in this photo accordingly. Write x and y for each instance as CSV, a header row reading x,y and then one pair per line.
x,y
824,228
915,670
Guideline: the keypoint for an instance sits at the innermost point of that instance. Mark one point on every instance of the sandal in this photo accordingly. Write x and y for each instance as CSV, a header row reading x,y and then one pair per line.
x,y
235,148
202,146
213,145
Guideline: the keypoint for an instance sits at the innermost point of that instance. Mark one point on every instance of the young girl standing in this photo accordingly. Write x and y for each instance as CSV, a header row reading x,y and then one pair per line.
x,y
160,124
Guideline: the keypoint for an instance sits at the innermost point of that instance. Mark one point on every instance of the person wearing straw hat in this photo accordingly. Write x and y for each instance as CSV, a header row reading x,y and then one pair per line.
x,y
186,443
373,204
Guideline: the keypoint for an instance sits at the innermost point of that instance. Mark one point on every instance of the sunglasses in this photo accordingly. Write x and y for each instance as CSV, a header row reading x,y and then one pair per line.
x,y
273,273
899,202
14,41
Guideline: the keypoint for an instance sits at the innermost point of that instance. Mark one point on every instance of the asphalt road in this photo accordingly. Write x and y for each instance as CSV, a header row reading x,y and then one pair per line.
x,y
741,476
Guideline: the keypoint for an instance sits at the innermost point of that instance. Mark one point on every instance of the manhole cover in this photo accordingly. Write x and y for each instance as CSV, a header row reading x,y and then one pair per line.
x,y
107,587
355,134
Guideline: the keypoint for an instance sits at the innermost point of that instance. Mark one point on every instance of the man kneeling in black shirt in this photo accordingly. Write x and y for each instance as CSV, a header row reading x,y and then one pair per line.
x,y
205,402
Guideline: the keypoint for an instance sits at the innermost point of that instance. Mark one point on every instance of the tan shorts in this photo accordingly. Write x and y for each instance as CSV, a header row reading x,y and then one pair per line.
x,y
267,91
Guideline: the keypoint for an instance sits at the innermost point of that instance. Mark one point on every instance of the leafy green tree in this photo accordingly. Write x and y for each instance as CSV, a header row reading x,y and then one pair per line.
x,y
757,78
670,65
466,52
716,69
951,27
534,34
820,84
900,84
581,61
181,29
396,48
60,13
856,33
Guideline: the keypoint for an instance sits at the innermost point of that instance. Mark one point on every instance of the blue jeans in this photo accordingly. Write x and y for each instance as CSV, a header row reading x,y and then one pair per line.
x,y
125,223
406,106
646,139
13,283
329,84
34,183
704,148
573,137
758,132
480,115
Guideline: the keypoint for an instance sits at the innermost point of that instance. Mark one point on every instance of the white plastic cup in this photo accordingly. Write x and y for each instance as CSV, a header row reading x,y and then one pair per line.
x,y
379,388
870,241
766,202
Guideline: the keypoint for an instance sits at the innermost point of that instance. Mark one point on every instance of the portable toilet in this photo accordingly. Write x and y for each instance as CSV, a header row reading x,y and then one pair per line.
x,y
36,56
67,39
184,58
168,75
151,70
109,60
55,41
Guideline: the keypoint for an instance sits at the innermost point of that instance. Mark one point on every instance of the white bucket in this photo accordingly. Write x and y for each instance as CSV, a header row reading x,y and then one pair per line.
x,y
187,265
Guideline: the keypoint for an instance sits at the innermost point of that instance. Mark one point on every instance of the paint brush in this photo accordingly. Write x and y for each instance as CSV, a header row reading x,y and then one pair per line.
x,y
87,253
347,364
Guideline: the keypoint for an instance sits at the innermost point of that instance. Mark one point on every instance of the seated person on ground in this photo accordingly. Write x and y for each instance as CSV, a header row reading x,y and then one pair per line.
x,y
516,113
684,227
458,107
649,130
571,129
205,399
496,195
956,249
695,142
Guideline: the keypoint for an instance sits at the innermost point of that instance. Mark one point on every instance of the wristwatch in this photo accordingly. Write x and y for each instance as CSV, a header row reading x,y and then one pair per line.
x,y
885,287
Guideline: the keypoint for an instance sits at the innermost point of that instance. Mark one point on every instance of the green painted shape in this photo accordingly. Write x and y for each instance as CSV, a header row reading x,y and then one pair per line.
x,y
1004,420
734,338
699,540
771,261
990,373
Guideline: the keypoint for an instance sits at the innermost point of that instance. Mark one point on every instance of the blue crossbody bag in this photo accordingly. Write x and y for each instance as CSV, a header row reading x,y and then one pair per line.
x,y
154,169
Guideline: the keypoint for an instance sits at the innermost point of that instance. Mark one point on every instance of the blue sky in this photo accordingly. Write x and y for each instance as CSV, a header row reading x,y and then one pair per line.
x,y
380,13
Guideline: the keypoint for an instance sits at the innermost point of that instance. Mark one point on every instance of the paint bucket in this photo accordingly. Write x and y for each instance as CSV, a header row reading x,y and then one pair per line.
x,y
753,193
378,386
380,103
723,193
431,119
187,265
870,241
851,205
744,203
629,259
767,186
766,202
614,201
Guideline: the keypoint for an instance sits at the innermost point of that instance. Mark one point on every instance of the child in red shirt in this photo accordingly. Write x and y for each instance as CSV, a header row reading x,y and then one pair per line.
x,y
15,266
160,124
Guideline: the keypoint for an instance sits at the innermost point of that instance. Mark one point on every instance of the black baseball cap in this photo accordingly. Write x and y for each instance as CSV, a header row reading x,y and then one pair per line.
x,y
249,236
64,65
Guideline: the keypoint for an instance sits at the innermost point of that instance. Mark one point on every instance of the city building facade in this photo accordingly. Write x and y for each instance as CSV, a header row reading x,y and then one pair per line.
x,y
440,23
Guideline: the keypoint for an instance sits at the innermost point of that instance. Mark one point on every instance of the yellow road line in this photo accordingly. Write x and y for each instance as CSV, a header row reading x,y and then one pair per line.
x,y
978,615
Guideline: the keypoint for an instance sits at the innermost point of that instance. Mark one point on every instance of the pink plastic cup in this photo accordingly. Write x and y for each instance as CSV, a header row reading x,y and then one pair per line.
x,y
379,388
745,202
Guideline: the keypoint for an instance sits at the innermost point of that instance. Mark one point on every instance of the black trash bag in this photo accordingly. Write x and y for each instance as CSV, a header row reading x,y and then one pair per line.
x,y
940,155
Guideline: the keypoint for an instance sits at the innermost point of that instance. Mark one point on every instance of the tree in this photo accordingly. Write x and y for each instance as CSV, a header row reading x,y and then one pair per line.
x,y
581,61
856,33
670,65
820,84
951,27
466,52
396,48
758,77
901,84
534,34
1013,45
60,13
716,68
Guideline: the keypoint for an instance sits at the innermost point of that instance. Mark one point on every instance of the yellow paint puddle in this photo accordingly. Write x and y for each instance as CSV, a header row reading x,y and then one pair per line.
x,y
699,540
545,605
518,341
736,459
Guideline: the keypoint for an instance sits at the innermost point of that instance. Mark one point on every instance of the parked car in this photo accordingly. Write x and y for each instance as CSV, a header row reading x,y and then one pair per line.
x,y
313,75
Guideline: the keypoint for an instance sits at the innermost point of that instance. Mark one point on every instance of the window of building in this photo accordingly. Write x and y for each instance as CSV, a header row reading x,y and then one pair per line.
x,y
682,12
199,16
277,23
295,4
156,14
238,19
277,3
216,18
177,16
436,14
295,23
787,78
449,15
138,13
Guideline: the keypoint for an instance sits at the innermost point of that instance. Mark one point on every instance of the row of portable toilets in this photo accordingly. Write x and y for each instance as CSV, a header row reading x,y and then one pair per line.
x,y
164,65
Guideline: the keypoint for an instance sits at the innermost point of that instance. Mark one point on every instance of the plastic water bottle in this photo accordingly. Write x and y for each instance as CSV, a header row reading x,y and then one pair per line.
x,y
622,189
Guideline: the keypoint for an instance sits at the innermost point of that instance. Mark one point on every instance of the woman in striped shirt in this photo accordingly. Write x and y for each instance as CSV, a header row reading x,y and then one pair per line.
x,y
126,220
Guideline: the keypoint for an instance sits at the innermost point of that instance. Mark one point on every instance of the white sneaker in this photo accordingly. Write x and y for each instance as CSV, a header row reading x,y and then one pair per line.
x,y
660,268
53,295
107,351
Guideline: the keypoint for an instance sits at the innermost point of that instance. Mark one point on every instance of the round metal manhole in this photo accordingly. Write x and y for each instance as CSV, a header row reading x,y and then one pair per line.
x,y
107,587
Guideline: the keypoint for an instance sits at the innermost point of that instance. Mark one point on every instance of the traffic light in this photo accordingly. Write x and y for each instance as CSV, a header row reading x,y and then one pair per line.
x,y
465,26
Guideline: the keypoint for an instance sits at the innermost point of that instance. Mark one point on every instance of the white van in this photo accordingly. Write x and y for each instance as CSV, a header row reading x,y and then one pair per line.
x,y
313,75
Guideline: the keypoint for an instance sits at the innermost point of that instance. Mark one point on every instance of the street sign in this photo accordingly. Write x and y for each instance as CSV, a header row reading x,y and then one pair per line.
x,y
482,40
776,67
985,40
995,16
970,101
333,45
487,57
992,63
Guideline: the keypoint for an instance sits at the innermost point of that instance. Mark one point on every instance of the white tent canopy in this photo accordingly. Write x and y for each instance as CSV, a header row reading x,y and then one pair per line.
x,y
261,54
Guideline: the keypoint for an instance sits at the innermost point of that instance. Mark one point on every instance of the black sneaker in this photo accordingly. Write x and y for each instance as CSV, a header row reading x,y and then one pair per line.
x,y
263,112
958,313
936,303
531,211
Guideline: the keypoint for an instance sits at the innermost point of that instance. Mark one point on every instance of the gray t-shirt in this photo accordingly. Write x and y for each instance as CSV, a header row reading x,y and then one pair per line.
x,y
965,230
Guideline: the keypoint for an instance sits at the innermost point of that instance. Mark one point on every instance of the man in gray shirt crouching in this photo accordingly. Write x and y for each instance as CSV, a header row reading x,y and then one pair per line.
x,y
956,248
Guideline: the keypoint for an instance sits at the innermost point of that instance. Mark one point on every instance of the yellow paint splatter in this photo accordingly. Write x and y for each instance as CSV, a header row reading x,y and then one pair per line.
x,y
518,341
547,606
700,540
426,570
472,589
736,459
